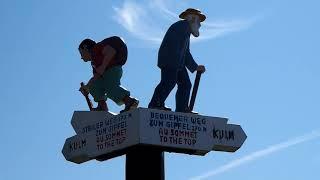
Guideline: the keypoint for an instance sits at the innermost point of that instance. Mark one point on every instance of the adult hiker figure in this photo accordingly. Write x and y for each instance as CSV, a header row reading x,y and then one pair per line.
x,y
107,58
174,58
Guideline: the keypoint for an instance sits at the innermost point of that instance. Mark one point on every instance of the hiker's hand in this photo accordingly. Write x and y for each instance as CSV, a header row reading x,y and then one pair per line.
x,y
201,69
84,90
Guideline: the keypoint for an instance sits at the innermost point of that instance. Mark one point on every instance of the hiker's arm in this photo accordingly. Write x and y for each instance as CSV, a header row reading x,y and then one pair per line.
x,y
108,53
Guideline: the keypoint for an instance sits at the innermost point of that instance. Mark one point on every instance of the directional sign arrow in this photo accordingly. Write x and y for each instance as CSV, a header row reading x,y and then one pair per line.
x,y
76,149
100,133
178,132
229,139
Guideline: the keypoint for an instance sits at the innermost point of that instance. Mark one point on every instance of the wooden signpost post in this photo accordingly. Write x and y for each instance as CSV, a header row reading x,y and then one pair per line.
x,y
102,136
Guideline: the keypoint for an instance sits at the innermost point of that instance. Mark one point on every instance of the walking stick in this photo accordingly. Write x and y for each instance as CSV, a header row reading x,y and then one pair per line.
x,y
194,90
87,98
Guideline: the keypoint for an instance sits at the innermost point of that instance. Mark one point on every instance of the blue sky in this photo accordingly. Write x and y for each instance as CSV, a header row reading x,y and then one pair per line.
x,y
262,61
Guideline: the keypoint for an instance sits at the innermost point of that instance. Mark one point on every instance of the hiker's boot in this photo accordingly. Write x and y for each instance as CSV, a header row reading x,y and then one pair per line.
x,y
189,111
159,106
130,103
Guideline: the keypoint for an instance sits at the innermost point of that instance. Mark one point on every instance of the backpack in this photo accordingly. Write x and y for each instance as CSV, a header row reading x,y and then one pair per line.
x,y
120,46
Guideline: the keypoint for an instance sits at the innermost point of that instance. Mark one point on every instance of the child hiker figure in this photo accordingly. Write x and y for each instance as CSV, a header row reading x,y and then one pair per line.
x,y
107,58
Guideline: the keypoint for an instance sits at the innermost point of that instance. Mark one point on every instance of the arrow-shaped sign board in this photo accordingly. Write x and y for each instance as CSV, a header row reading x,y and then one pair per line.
x,y
228,139
101,134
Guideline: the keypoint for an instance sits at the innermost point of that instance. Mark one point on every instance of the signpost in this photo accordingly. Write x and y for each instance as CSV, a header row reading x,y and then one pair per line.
x,y
102,135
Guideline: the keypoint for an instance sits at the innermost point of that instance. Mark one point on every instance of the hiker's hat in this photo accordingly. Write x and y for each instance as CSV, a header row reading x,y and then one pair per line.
x,y
188,11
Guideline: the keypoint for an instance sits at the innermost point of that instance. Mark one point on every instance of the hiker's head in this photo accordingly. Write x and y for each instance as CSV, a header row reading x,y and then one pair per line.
x,y
194,22
194,17
85,49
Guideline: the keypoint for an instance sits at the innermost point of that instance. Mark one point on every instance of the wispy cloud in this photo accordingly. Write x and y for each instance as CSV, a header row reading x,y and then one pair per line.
x,y
219,28
259,154
135,18
148,20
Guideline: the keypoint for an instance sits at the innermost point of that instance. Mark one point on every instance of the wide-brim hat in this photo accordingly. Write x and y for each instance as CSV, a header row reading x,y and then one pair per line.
x,y
188,11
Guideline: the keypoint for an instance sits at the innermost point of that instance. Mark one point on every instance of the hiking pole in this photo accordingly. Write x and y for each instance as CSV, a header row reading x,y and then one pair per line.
x,y
87,98
194,90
